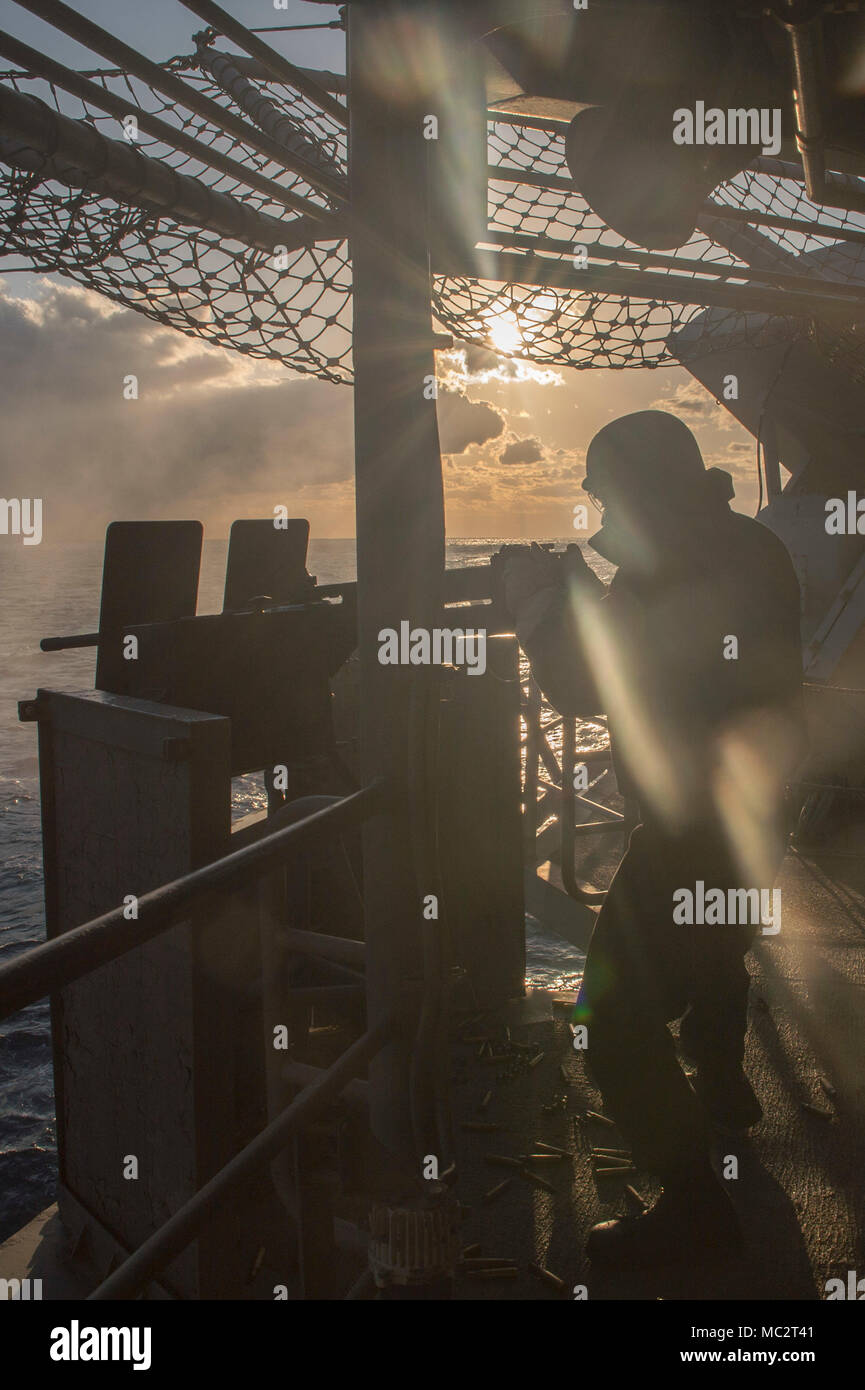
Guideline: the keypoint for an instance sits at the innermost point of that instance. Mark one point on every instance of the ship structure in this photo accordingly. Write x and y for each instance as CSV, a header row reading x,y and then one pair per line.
x,y
294,1056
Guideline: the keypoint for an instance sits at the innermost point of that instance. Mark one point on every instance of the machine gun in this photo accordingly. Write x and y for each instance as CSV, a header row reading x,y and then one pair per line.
x,y
265,661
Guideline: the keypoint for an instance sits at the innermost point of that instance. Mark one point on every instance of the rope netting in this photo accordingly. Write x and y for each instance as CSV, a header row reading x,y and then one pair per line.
x,y
582,328
295,305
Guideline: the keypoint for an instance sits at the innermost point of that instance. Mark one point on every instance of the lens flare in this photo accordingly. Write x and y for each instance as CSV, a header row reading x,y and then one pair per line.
x,y
505,334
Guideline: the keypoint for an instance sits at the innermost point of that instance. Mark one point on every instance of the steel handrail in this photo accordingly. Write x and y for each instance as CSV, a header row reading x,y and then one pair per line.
x,y
56,963
175,1234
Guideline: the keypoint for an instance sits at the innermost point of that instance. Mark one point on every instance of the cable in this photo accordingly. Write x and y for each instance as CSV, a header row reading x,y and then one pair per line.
x,y
759,473
293,28
774,383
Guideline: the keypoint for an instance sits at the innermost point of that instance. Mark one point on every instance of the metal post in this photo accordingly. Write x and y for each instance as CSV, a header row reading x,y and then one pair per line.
x,y
400,517
533,753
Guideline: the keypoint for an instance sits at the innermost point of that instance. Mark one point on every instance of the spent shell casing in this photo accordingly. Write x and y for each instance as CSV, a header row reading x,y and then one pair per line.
x,y
496,1191
603,1119
547,1276
542,1146
815,1110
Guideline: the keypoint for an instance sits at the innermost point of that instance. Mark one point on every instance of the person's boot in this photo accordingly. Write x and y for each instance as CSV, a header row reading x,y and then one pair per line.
x,y
692,1220
728,1099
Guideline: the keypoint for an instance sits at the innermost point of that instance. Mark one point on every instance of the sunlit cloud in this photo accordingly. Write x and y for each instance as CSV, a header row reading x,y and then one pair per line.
x,y
467,365
694,404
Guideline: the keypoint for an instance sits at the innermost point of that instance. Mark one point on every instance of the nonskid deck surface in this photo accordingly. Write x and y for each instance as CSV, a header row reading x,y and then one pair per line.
x,y
799,1190
798,1193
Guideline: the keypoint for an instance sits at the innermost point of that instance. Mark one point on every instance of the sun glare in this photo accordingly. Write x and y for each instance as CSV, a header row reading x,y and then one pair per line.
x,y
505,333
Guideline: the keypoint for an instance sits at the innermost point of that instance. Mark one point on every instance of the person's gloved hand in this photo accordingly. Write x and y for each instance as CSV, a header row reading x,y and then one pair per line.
x,y
528,574
573,565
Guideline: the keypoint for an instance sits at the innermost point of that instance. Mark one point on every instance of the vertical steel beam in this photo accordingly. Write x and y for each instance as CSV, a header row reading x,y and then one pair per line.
x,y
400,515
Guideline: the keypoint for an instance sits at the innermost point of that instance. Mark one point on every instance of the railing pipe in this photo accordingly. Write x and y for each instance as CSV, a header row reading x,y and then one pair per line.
x,y
54,964
172,1238
337,948
532,715
567,820
61,644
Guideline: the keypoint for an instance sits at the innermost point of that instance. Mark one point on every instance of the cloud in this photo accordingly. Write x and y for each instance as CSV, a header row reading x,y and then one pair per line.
x,y
522,451
209,428
463,422
216,435
467,364
739,458
692,402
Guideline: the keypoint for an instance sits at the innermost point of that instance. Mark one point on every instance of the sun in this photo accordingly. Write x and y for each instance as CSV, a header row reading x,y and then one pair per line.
x,y
505,333
510,334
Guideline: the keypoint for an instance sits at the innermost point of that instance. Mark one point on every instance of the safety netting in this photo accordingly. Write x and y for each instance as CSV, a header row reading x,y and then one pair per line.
x,y
294,305
533,207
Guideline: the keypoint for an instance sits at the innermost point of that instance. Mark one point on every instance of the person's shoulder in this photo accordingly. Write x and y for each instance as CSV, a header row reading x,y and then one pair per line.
x,y
754,538
761,568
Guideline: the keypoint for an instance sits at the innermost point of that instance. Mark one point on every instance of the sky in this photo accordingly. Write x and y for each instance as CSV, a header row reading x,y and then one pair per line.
x,y
216,435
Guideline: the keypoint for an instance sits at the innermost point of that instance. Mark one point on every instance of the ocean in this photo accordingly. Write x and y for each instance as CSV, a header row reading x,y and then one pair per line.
x,y
53,591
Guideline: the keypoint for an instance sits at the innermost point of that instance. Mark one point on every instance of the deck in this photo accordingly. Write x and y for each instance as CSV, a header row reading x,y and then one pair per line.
x,y
799,1190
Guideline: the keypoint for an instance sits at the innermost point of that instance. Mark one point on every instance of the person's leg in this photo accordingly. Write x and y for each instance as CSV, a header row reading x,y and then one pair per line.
x,y
712,1032
639,973
634,981
712,1035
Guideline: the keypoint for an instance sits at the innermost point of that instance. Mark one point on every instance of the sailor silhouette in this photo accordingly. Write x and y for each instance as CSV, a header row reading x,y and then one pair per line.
x,y
693,654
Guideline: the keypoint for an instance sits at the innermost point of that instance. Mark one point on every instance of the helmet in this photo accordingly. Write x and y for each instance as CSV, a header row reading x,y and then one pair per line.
x,y
648,455
647,472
